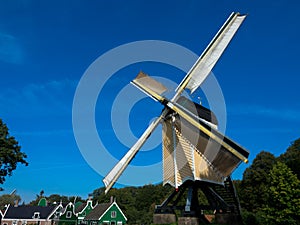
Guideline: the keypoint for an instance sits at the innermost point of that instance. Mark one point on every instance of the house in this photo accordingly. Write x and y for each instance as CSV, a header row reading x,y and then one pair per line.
x,y
26,215
106,214
83,209
67,215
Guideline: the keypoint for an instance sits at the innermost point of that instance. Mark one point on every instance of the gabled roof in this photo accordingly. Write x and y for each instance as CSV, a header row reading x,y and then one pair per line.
x,y
98,211
27,212
70,205
80,207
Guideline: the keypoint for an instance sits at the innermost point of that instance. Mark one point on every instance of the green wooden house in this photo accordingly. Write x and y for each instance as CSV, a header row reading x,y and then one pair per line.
x,y
106,214
82,210
67,215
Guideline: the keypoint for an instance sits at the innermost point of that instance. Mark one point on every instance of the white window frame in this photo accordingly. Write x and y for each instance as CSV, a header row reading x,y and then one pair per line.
x,y
113,214
69,214
36,215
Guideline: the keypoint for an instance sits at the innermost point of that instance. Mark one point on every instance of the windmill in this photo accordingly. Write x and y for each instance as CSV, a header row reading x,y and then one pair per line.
x,y
194,151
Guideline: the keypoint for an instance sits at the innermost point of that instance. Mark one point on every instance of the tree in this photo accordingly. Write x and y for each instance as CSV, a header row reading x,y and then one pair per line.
x,y
283,205
292,157
8,199
253,188
55,199
10,153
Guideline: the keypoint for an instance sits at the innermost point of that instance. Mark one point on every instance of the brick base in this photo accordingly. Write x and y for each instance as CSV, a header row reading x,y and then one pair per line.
x,y
188,221
164,218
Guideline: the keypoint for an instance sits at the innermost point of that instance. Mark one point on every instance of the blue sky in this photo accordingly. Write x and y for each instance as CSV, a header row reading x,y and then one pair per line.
x,y
46,46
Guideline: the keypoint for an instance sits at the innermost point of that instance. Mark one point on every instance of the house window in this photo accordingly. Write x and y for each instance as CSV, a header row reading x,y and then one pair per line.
x,y
36,215
119,223
94,223
112,222
69,214
113,214
24,222
5,224
14,222
105,223
56,215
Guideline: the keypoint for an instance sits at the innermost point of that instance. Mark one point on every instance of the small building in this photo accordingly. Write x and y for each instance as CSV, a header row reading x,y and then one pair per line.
x,y
83,209
26,215
68,215
106,214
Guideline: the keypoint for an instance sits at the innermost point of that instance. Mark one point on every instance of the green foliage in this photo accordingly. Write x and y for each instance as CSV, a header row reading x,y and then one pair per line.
x,y
269,192
54,198
10,153
292,157
253,188
7,199
283,205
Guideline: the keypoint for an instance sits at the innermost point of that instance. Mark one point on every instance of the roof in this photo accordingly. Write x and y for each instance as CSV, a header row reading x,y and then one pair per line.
x,y
97,212
79,208
27,212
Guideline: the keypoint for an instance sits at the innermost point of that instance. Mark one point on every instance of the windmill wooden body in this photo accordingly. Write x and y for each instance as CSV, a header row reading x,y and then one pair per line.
x,y
194,151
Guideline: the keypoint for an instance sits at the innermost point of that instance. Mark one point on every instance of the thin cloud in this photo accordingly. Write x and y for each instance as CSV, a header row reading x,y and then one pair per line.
x,y
289,114
51,98
10,49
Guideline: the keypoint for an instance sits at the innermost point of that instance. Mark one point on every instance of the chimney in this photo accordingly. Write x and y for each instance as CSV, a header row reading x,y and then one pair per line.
x,y
16,203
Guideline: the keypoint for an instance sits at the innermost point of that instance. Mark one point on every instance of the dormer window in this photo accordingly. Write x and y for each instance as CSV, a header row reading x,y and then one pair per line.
x,y
69,214
36,215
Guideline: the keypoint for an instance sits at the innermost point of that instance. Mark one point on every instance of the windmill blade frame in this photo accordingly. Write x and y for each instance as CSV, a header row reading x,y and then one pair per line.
x,y
119,168
203,66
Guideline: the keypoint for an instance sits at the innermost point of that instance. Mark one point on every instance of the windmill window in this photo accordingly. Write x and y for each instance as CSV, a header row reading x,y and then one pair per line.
x,y
69,214
113,214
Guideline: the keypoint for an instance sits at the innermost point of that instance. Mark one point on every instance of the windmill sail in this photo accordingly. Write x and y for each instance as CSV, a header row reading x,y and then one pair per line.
x,y
212,53
116,172
144,80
